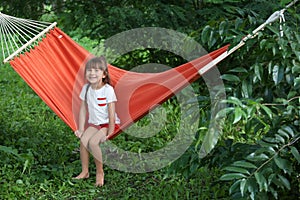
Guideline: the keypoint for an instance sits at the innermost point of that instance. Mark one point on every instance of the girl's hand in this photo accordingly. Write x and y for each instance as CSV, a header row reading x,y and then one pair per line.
x,y
78,133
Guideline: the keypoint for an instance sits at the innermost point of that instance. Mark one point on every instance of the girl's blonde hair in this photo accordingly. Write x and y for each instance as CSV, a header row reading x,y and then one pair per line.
x,y
98,63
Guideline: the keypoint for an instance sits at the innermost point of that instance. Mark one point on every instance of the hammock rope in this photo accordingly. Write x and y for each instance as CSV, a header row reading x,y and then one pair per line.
x,y
275,16
19,35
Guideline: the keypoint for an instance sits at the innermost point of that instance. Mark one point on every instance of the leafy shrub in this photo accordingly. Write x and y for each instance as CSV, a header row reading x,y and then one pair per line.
x,y
268,169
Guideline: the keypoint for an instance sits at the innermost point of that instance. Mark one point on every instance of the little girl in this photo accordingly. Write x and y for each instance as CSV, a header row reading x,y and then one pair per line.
x,y
98,99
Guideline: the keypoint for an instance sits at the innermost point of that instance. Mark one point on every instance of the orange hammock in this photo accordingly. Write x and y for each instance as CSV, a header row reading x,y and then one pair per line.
x,y
54,70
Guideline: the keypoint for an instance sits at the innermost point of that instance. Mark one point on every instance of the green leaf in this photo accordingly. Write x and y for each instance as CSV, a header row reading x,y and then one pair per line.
x,y
222,27
212,39
230,77
237,114
244,164
262,43
280,138
237,169
234,186
247,88
274,192
258,70
243,186
283,133
297,82
267,145
295,153
288,130
262,182
283,164
235,101
267,110
296,68
271,178
26,164
257,157
285,181
239,70
10,150
268,149
224,112
205,34
270,140
238,23
277,182
297,54
278,74
275,50
232,176
252,187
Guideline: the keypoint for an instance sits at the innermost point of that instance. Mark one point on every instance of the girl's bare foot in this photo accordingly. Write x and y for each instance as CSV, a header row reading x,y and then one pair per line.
x,y
82,175
99,179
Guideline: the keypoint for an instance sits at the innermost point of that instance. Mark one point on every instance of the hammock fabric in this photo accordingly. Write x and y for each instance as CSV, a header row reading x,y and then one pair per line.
x,y
54,70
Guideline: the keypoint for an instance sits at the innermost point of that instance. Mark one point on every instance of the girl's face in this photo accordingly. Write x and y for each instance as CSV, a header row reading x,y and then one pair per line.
x,y
94,75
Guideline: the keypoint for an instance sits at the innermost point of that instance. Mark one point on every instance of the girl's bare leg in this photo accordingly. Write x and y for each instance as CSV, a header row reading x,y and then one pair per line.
x,y
97,153
84,157
84,152
99,173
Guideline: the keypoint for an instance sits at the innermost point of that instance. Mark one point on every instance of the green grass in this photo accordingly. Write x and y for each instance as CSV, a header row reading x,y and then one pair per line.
x,y
118,185
39,158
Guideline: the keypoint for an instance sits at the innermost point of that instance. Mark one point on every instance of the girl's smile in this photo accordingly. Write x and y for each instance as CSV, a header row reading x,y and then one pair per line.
x,y
95,76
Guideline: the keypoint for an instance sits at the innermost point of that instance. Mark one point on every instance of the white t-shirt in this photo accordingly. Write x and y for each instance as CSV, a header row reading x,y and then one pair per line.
x,y
97,101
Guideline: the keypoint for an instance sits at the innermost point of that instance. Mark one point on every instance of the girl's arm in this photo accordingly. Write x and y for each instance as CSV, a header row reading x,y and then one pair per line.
x,y
82,118
111,118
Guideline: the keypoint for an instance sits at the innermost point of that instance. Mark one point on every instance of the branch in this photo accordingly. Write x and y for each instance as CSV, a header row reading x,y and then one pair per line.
x,y
281,104
269,160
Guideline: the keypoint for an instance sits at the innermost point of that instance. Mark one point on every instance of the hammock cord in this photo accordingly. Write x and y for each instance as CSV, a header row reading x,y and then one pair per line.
x,y
275,16
18,35
16,32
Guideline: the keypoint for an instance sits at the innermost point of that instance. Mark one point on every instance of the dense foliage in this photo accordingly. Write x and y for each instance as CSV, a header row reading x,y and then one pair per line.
x,y
257,156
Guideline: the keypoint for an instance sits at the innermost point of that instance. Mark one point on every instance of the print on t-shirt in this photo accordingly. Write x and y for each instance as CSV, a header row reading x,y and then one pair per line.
x,y
101,101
